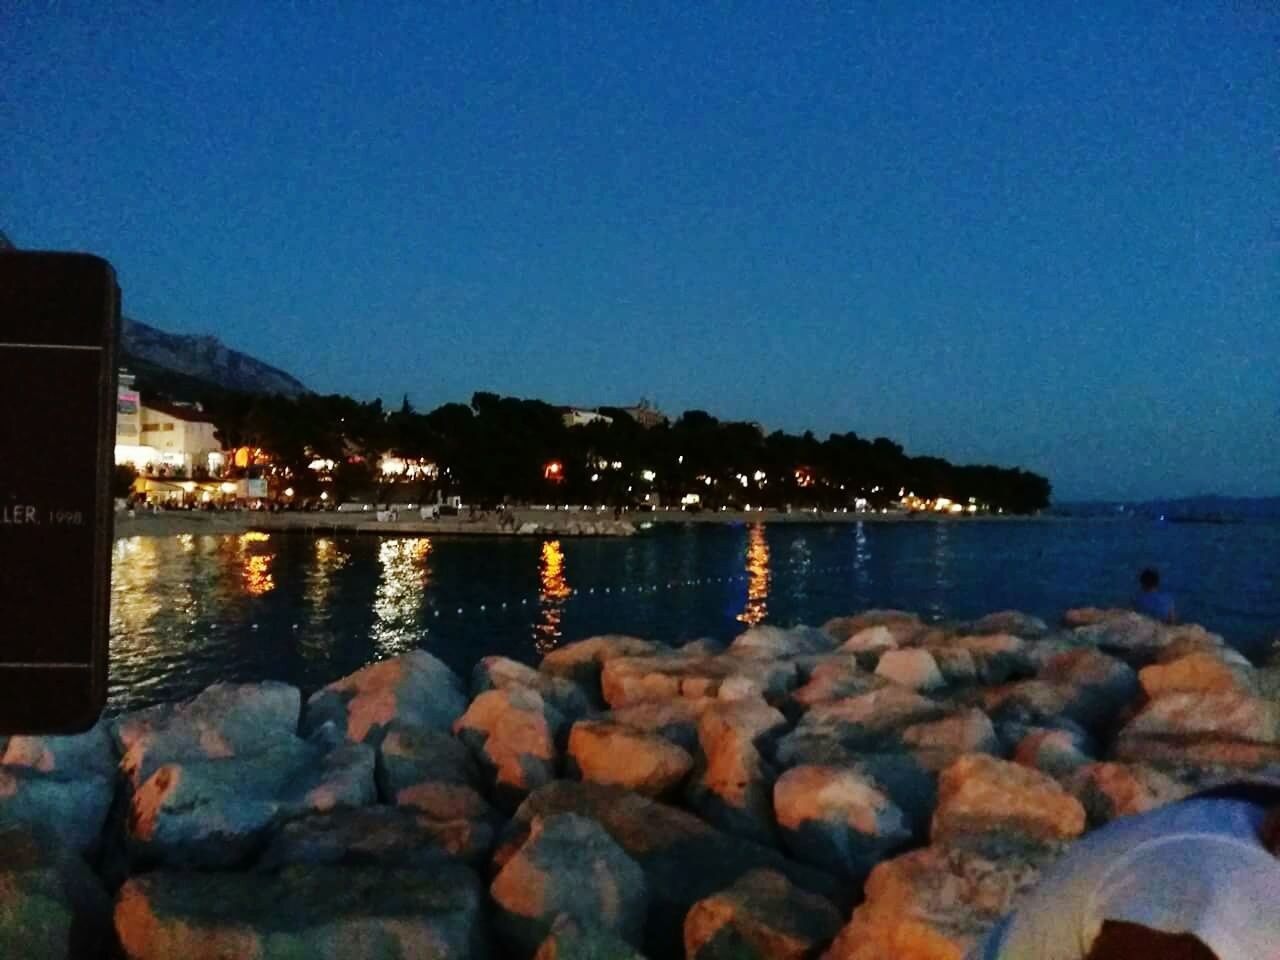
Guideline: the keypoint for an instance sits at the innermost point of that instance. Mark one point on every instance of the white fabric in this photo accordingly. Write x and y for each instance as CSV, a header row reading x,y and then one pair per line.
x,y
1194,867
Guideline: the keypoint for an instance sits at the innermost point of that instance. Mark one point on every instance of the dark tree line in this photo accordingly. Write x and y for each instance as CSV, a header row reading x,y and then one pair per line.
x,y
501,449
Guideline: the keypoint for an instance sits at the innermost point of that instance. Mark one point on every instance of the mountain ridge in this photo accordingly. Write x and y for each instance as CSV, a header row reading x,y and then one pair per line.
x,y
200,357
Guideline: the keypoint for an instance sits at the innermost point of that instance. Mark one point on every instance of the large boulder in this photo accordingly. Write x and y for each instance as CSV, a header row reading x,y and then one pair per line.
x,y
914,669
581,662
684,858
409,757
381,835
628,680
869,721
75,810
995,657
1230,714
571,940
734,783
217,812
1128,634
414,689
1196,672
515,735
838,819
502,673
834,678
939,742
901,624
353,912
871,642
223,720
980,795
1111,790
1013,622
674,720
761,917
51,904
89,754
608,753
1097,687
1055,752
776,643
936,903
568,866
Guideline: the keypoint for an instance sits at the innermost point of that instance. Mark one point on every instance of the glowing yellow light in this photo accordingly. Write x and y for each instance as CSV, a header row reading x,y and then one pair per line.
x,y
648,475
324,495
288,491
401,593
189,486
227,487
757,577
691,499
555,591
206,497
553,470
616,465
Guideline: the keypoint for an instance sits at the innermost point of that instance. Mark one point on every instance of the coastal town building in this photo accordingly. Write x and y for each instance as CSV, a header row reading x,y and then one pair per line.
x,y
168,438
581,416
645,414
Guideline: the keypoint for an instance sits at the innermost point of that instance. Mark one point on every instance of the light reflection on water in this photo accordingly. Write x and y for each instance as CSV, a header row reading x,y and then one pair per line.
x,y
757,605
401,595
257,563
555,591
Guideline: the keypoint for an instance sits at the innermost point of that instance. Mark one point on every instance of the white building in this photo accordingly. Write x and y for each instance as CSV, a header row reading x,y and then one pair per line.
x,y
580,417
178,437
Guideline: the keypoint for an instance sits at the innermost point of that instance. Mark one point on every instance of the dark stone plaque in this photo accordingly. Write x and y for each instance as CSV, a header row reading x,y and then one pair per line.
x,y
58,327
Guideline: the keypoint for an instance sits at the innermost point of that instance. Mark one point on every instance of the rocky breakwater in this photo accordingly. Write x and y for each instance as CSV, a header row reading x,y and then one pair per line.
x,y
880,788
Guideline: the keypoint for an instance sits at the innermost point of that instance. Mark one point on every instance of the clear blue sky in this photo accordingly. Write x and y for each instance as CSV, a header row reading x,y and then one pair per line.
x,y
1046,239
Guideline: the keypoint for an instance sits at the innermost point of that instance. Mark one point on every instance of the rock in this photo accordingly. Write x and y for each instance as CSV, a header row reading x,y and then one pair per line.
x,y
409,757
630,680
901,624
1210,755
1097,686
914,669
51,904
610,754
674,720
1088,616
940,742
775,643
385,836
1111,790
514,735
353,912
684,858
89,754
936,903
1009,622
762,916
958,667
1025,704
223,720
568,866
834,678
979,794
1203,672
75,811
415,689
1128,633
1055,752
869,721
570,940
502,673
702,647
996,657
582,662
875,640
1222,713
838,819
734,785
215,813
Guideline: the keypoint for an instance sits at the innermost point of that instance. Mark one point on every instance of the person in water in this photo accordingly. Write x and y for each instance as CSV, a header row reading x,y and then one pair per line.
x,y
1151,600
1196,880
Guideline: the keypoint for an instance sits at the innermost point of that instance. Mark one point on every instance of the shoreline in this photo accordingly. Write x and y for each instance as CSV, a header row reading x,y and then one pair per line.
x,y
529,522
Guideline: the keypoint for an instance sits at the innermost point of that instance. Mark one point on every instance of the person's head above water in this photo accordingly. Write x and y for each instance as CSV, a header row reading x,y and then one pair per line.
x,y
1149,579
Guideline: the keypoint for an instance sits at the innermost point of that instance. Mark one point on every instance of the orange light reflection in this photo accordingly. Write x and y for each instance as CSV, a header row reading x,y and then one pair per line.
x,y
555,591
757,605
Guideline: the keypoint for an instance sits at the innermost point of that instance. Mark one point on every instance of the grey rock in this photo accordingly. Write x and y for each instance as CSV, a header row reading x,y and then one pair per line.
x,y
51,904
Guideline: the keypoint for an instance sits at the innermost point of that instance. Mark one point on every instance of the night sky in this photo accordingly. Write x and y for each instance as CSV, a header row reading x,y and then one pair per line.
x,y
1048,240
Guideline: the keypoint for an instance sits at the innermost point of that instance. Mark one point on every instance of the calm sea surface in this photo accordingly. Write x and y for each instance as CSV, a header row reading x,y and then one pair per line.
x,y
192,609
